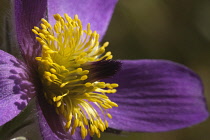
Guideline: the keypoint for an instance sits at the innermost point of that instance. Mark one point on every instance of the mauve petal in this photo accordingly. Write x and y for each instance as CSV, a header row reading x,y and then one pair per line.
x,y
25,124
50,124
15,87
28,13
96,12
156,95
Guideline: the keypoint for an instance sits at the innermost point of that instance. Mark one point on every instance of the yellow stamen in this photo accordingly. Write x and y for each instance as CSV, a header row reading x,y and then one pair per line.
x,y
66,47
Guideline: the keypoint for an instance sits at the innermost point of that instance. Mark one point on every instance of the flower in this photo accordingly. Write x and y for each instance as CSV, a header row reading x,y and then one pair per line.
x,y
153,96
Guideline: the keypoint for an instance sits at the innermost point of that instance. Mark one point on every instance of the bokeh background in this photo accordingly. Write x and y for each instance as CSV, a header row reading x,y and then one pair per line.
x,y
177,30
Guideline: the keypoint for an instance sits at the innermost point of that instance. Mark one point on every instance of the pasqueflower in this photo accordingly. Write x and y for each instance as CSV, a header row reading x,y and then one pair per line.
x,y
67,72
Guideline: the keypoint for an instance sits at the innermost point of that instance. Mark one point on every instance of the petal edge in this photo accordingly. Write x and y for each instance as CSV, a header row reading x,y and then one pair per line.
x,y
157,95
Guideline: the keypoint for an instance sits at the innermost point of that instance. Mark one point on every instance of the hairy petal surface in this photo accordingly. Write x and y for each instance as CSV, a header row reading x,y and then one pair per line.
x,y
96,12
24,126
156,95
15,87
27,15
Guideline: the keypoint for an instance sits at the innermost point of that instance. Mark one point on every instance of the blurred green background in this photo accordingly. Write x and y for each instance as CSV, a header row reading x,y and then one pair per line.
x,y
177,30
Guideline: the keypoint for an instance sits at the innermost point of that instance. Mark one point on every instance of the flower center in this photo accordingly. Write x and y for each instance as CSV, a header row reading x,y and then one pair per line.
x,y
70,70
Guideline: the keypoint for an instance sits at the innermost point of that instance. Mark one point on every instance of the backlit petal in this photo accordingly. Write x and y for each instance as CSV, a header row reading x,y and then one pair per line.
x,y
96,12
156,95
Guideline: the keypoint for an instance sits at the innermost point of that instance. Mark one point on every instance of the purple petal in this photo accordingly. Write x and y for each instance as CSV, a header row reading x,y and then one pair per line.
x,y
27,15
15,87
157,95
50,123
25,125
96,12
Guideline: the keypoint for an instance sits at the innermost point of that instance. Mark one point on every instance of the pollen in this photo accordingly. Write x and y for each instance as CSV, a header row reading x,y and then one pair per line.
x,y
67,75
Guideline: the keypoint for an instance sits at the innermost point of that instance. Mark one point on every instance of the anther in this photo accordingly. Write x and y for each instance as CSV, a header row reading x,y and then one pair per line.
x,y
109,115
84,77
57,17
79,70
36,28
59,104
114,85
52,70
34,31
43,26
88,84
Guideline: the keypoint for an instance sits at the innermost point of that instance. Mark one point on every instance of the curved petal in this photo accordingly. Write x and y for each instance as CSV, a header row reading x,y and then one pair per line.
x,y
27,15
156,95
96,12
24,126
50,123
15,87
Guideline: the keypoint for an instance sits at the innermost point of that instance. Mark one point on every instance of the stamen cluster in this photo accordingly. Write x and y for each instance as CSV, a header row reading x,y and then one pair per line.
x,y
67,53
